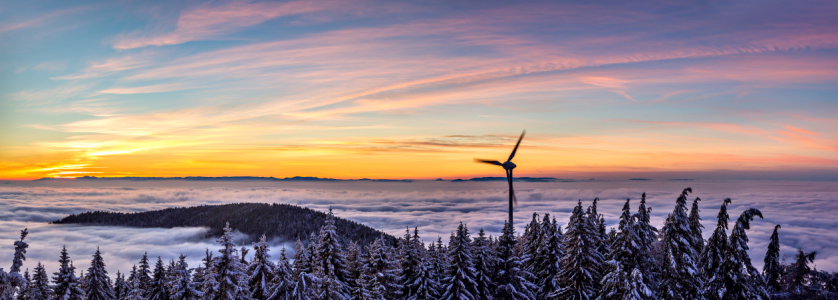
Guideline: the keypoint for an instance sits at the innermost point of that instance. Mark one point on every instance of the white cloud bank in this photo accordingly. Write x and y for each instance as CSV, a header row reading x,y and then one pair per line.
x,y
804,209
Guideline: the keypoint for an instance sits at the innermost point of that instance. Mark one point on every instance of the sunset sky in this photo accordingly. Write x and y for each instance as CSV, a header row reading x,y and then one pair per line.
x,y
397,89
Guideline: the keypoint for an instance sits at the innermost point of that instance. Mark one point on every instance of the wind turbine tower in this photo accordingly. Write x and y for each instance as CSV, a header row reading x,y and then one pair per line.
x,y
508,166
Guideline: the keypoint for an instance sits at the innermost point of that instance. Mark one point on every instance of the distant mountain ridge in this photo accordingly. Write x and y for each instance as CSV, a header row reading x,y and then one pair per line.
x,y
228,178
306,178
522,179
284,221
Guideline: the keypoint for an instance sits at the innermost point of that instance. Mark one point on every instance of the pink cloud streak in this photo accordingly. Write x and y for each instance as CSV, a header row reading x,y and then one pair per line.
x,y
211,22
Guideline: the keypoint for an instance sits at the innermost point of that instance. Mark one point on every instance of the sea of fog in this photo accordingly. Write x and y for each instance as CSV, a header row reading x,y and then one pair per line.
x,y
806,211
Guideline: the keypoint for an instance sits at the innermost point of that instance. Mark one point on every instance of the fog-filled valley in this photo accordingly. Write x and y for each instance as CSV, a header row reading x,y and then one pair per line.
x,y
804,209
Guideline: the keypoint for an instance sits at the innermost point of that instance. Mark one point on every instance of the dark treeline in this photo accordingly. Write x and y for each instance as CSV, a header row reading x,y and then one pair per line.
x,y
583,260
283,221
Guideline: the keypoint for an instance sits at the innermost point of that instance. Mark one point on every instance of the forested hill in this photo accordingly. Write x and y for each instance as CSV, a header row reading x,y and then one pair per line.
x,y
283,221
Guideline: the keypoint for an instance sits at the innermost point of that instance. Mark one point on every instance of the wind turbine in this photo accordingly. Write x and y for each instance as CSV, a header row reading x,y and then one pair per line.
x,y
508,166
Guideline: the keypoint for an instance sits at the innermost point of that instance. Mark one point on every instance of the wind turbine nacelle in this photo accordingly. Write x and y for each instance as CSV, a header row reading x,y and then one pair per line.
x,y
509,165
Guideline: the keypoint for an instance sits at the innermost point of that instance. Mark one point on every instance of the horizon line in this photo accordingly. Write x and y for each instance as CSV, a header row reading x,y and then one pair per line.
x,y
610,176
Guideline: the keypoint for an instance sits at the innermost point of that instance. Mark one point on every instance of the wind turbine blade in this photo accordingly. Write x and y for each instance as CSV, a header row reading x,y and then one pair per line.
x,y
516,145
486,161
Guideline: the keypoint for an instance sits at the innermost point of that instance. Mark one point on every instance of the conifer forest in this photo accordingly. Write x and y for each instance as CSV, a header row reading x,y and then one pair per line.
x,y
575,259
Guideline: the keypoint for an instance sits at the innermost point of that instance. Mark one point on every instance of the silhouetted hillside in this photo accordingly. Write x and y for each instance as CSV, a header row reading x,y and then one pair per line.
x,y
284,221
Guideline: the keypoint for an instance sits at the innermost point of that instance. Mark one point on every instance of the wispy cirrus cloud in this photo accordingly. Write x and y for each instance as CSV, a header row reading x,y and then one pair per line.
x,y
41,20
807,138
111,66
359,56
214,21
157,88
51,95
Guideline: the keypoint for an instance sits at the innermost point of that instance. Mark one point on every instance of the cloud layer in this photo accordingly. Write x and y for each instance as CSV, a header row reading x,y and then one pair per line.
x,y
802,208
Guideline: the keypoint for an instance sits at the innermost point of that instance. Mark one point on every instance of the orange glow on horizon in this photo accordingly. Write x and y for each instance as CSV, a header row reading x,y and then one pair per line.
x,y
539,156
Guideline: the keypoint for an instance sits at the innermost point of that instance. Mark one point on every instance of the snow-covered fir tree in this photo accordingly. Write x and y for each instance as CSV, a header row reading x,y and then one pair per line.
x,y
548,260
82,279
120,286
696,228
680,278
625,279
771,269
261,271
459,281
714,251
198,277
40,289
20,252
157,288
330,263
646,233
304,288
484,261
361,288
98,286
626,242
372,289
227,271
135,290
204,278
304,282
439,260
66,284
131,276
281,282
431,251
23,293
512,282
797,281
714,255
171,276
311,251
144,274
597,220
533,236
354,269
579,277
397,252
616,283
14,282
9,284
182,287
417,281
424,288
382,272
301,260
740,279
407,260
